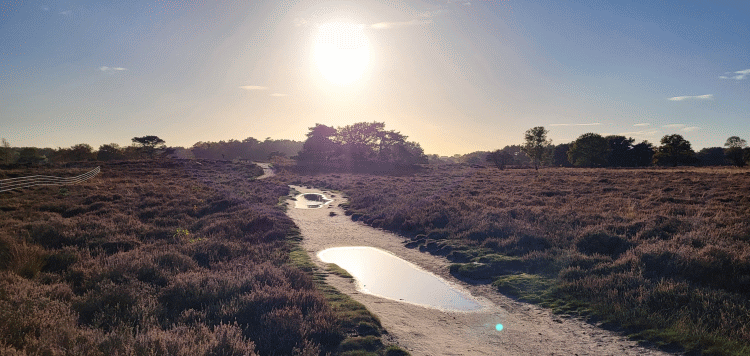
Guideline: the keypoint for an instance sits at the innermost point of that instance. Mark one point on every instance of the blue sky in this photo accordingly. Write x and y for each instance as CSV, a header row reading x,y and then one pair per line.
x,y
456,76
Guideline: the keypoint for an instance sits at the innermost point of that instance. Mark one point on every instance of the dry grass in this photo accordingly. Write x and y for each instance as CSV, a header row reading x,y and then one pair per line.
x,y
663,253
148,258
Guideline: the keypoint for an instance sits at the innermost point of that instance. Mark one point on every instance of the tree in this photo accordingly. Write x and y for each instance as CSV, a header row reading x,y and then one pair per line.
x,y
589,150
536,145
711,156
735,148
560,155
6,152
620,151
360,140
499,159
643,154
319,145
110,152
674,150
81,152
149,144
30,156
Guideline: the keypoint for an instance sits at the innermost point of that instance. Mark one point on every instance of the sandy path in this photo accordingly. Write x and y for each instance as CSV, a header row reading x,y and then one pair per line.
x,y
267,171
528,329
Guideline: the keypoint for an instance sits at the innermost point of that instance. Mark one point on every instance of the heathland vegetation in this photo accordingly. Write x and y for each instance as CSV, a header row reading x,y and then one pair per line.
x,y
663,254
192,256
166,257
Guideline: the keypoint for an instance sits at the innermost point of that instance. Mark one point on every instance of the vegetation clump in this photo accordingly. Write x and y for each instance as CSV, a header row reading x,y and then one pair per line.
x,y
162,257
655,251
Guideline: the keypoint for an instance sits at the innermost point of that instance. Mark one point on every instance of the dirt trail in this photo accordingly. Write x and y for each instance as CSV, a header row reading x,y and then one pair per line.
x,y
528,329
267,171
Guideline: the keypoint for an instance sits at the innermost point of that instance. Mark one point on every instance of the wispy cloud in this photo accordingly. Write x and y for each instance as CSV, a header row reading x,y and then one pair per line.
x,y
642,133
691,128
253,87
401,24
642,124
696,97
673,126
278,94
109,69
587,124
738,75
66,12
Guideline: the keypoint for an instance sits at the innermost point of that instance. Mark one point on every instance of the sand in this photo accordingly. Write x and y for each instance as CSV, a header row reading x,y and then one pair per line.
x,y
527,329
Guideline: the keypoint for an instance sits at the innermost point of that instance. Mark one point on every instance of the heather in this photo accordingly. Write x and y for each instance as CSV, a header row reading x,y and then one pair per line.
x,y
160,257
660,254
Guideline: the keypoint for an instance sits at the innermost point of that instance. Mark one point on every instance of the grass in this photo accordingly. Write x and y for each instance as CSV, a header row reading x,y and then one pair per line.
x,y
335,269
661,253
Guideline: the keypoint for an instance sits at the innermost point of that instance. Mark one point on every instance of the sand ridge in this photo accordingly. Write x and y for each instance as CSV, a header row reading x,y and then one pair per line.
x,y
528,329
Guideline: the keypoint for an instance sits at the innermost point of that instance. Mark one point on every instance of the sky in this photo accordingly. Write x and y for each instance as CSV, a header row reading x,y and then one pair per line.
x,y
456,76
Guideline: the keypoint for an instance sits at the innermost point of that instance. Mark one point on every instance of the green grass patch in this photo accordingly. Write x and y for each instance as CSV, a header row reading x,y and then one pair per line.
x,y
527,287
335,269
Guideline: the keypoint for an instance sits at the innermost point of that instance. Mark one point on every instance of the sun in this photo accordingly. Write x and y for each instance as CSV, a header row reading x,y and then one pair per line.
x,y
342,52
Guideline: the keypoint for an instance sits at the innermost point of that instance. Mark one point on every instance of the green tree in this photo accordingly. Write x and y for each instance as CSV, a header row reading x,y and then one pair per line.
x,y
536,145
711,156
589,150
30,156
735,150
499,159
620,151
319,145
110,152
149,144
674,150
81,152
560,155
643,154
6,152
361,140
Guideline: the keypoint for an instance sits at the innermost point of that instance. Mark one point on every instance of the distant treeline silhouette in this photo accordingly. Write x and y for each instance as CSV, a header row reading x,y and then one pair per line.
x,y
594,150
367,146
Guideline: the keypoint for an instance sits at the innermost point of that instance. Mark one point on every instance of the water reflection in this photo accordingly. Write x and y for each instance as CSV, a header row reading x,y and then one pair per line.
x,y
311,201
383,274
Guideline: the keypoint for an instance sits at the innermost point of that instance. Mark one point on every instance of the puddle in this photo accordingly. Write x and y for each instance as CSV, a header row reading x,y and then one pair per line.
x,y
311,201
382,274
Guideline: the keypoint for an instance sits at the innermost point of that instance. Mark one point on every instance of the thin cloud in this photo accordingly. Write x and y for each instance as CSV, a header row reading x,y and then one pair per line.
x,y
696,97
642,133
691,128
253,87
642,124
66,12
738,75
673,126
108,69
402,24
278,94
587,124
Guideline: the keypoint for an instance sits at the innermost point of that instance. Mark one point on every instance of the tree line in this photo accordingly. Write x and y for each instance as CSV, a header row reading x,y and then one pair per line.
x,y
150,147
595,150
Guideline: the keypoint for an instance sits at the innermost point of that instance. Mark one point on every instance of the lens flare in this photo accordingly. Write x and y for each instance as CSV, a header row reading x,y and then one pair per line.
x,y
499,327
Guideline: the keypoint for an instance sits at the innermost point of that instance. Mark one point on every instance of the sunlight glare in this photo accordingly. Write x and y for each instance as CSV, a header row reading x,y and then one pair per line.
x,y
342,52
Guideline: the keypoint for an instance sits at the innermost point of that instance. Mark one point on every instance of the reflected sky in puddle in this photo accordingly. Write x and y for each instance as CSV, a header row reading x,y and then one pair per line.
x,y
385,275
311,201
